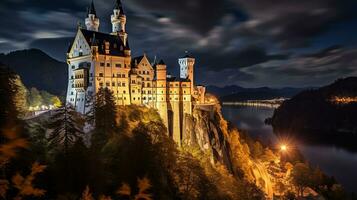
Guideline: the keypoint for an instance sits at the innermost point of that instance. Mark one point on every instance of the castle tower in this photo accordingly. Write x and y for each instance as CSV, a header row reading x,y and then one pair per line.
x,y
92,21
161,91
118,20
187,69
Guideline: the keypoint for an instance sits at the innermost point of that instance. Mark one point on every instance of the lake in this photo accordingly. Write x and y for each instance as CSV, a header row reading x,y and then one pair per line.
x,y
334,161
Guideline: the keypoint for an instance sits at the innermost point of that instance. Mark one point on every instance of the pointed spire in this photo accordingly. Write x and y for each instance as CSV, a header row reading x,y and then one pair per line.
x,y
162,62
119,6
91,9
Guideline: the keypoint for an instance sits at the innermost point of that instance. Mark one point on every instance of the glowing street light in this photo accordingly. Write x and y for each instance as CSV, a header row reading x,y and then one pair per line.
x,y
283,147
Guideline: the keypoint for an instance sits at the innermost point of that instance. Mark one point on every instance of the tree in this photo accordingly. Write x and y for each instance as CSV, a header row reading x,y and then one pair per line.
x,y
143,184
8,90
301,177
20,98
66,126
10,126
105,113
35,98
55,101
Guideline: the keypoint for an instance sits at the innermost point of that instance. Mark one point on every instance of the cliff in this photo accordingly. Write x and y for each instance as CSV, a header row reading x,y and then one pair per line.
x,y
203,131
208,133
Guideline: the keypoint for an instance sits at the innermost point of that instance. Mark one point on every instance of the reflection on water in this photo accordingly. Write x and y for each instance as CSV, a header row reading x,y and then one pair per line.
x,y
333,161
251,119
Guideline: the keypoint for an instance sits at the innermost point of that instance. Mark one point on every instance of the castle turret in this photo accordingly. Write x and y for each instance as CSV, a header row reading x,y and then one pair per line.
x,y
161,91
118,20
92,21
187,69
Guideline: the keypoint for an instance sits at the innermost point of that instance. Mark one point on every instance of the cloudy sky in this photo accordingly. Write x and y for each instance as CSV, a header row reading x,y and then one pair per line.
x,y
250,43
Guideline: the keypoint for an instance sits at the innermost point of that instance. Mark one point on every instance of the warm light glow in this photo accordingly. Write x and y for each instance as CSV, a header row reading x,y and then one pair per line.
x,y
343,100
283,147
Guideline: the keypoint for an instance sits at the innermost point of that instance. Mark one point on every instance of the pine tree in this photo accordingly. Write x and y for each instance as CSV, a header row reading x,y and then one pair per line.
x,y
89,109
67,126
105,113
8,90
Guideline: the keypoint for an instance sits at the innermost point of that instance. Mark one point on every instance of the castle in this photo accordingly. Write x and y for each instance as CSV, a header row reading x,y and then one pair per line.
x,y
96,60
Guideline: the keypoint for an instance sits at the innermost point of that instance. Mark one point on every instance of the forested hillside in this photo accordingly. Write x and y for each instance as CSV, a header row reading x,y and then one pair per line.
x,y
38,70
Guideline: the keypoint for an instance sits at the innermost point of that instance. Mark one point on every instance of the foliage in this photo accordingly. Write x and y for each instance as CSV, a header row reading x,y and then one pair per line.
x,y
24,184
87,195
105,112
9,149
143,185
66,126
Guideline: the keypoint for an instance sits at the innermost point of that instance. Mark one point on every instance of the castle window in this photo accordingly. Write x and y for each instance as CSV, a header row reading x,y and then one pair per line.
x,y
149,98
184,91
71,93
133,98
91,74
148,85
118,65
108,64
123,84
149,92
177,84
113,84
113,75
123,75
133,81
124,91
73,66
102,64
107,84
148,79
184,98
133,91
144,98
124,98
71,77
100,74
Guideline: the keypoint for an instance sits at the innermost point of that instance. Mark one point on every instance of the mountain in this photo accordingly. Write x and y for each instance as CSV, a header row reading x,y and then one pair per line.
x,y
237,93
223,91
37,69
327,111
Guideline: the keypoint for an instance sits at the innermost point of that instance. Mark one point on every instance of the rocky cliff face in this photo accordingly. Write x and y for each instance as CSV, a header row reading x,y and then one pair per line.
x,y
203,131
207,131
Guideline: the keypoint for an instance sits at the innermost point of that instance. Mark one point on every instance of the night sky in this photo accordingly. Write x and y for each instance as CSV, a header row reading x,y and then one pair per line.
x,y
249,43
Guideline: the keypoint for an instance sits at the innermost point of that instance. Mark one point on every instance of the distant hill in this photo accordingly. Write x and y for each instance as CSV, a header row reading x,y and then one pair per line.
x,y
237,93
329,110
37,69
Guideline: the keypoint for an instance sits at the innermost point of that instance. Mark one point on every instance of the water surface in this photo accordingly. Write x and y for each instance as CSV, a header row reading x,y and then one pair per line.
x,y
334,161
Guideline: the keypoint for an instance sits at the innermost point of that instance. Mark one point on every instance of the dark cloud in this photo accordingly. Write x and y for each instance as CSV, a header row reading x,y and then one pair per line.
x,y
314,69
243,38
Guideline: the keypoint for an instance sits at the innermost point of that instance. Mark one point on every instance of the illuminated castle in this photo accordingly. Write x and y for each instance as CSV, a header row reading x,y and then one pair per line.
x,y
97,60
